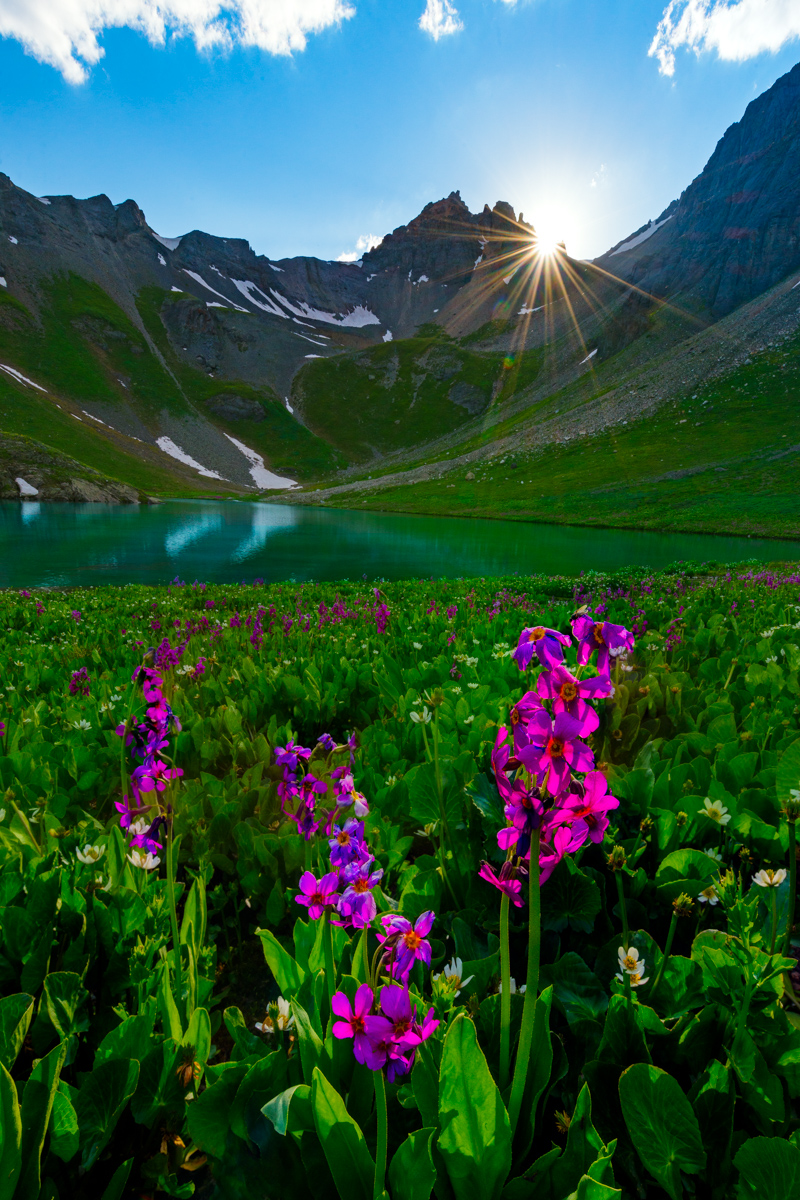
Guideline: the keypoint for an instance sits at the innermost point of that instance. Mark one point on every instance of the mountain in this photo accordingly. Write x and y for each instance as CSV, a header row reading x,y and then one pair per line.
x,y
135,364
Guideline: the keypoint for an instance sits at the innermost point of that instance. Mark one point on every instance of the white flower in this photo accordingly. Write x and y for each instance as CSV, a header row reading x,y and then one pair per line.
x,y
470,661
456,691
629,961
715,854
81,725
391,781
417,645
138,826
473,685
513,989
424,717
146,861
634,977
279,1016
709,895
468,720
771,658
453,973
769,878
90,854
715,810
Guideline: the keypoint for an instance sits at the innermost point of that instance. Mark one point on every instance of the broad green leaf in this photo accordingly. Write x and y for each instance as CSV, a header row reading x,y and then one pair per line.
x,y
262,1081
10,1134
583,1145
623,1040
411,1171
291,1112
570,900
787,779
312,1052
475,1138
170,1017
129,1040
37,1105
116,1186
64,994
64,1138
685,871
288,973
100,1103
15,1018
713,1101
209,1115
769,1168
198,1036
662,1126
342,1141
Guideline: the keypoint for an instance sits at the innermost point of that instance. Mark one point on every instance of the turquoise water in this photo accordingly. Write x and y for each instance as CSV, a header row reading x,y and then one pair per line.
x,y
82,544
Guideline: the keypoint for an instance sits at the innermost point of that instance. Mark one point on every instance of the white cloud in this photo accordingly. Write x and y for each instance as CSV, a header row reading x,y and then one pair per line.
x,y
367,241
64,33
440,19
736,29
600,176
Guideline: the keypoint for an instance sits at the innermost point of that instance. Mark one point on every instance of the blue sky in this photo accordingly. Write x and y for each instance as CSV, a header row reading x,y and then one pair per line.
x,y
553,105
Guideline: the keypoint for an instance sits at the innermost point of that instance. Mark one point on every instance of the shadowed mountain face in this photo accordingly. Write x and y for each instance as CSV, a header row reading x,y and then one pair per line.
x,y
192,363
735,231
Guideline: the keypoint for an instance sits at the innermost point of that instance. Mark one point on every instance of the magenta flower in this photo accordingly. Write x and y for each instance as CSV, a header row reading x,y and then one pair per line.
x,y
347,843
570,695
554,749
519,716
355,1022
507,881
592,806
79,683
563,841
407,942
607,639
317,895
290,754
546,644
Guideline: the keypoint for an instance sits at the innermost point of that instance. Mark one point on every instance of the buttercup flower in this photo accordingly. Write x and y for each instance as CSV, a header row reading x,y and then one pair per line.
x,y
629,960
766,877
90,854
709,895
715,810
144,859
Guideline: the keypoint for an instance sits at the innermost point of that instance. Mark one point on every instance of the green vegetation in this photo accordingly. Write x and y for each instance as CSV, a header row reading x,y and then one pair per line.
x,y
166,1021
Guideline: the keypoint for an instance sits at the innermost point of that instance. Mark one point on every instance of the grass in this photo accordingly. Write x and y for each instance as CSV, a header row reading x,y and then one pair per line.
x,y
725,459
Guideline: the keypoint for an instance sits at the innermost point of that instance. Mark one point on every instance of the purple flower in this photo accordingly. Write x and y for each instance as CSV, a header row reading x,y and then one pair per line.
x,y
79,683
355,1022
406,942
326,741
318,895
507,881
519,716
570,695
406,1032
607,639
347,843
563,841
76,616
591,806
546,644
554,749
357,904
290,754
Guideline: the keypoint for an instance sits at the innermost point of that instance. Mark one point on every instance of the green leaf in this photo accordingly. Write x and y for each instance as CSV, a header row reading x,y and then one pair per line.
x,y
64,1139
291,1112
411,1172
623,1040
261,1082
209,1115
100,1103
570,900
127,1040
312,1052
289,974
118,1180
64,994
475,1138
198,1035
583,1145
684,871
342,1141
10,1134
769,1168
662,1126
15,1018
787,779
713,1099
37,1105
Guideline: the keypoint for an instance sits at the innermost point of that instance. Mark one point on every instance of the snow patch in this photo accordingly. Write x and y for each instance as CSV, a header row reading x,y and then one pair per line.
x,y
162,260
357,319
794,285
94,418
178,290
167,243
3,281
269,264
423,279
25,488
524,312
652,228
371,277
313,341
479,259
43,199
174,451
247,288
217,304
213,268
13,240
77,418
262,477
288,405
21,378
387,337
590,355
199,279
314,355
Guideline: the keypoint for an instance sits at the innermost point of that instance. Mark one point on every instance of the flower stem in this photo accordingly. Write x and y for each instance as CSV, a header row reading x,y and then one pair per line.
x,y
623,911
173,916
774,905
673,925
505,994
327,944
792,883
380,1148
531,984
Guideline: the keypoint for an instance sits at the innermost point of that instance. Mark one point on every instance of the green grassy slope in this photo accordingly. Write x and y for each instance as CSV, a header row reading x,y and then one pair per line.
x,y
400,395
726,458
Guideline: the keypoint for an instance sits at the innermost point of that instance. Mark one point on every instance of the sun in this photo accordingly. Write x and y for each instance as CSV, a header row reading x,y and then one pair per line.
x,y
548,240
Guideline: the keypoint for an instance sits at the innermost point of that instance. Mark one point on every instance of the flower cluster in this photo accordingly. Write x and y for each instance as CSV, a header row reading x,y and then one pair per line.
x,y
79,683
386,1033
148,740
537,772
302,793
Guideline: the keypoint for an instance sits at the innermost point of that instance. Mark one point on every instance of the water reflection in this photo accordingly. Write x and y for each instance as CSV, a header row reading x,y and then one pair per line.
x,y
58,544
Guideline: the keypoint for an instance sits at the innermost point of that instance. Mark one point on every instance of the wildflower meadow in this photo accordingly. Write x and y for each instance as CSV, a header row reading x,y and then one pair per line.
x,y
477,890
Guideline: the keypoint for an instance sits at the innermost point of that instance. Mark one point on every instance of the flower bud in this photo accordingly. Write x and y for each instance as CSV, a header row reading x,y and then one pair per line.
x,y
683,905
617,858
791,807
681,819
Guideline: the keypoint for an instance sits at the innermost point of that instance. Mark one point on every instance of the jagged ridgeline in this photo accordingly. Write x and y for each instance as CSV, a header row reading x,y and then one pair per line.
x,y
132,363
